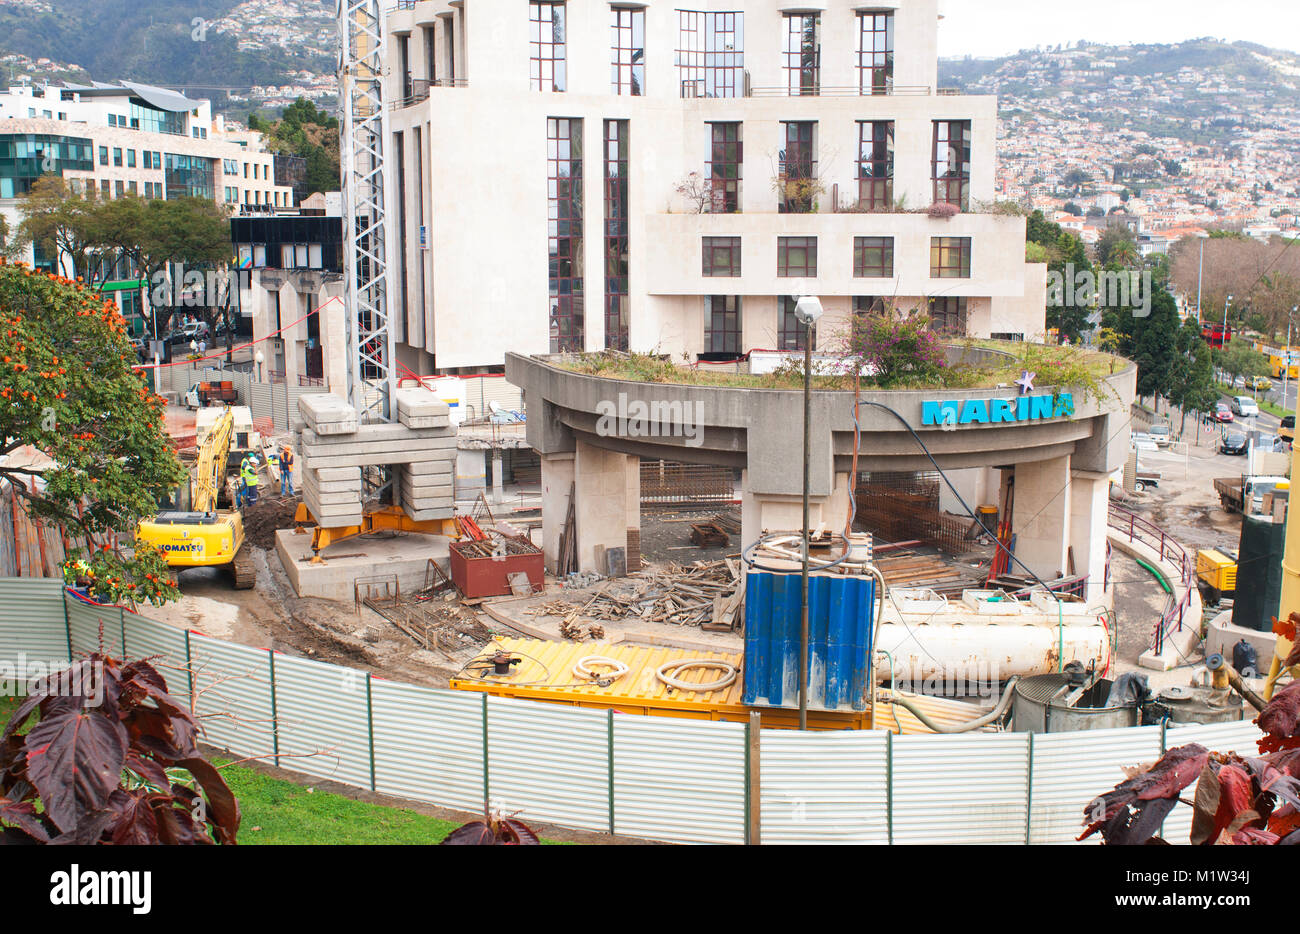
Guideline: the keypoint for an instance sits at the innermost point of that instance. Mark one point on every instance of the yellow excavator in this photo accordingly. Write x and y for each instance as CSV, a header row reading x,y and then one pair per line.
x,y
205,537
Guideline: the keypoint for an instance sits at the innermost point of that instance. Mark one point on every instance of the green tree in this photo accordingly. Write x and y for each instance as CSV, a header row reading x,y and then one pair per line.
x,y
1066,257
1192,386
61,222
1155,347
1238,358
1117,246
69,391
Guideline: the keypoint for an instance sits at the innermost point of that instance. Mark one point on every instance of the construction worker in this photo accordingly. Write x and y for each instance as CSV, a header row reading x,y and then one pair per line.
x,y
248,479
286,471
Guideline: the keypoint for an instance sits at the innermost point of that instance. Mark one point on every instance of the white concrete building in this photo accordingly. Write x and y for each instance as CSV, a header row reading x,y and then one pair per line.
x,y
587,174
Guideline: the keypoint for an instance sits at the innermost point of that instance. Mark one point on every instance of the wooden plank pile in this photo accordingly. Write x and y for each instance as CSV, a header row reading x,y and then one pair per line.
x,y
681,595
912,569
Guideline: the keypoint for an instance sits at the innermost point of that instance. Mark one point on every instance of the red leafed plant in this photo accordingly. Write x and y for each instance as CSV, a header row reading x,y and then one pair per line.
x,y
1238,800
113,758
493,830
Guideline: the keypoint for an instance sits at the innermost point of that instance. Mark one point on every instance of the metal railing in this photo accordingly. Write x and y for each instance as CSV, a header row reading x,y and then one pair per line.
x,y
1138,529
896,90
418,90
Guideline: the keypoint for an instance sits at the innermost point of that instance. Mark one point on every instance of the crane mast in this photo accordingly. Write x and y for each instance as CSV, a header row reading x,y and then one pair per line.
x,y
371,380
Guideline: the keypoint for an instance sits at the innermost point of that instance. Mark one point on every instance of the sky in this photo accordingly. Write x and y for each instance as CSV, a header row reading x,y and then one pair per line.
x,y
990,28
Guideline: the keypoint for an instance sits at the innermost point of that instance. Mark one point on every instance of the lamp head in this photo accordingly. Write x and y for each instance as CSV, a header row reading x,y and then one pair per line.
x,y
808,309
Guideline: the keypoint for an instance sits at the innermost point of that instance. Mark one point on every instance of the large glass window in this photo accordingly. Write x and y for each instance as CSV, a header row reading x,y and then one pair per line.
x,y
26,157
721,256
189,175
722,324
791,333
796,257
152,120
950,257
616,240
627,50
875,52
873,257
802,53
798,168
951,162
948,315
726,157
711,54
564,184
547,68
876,165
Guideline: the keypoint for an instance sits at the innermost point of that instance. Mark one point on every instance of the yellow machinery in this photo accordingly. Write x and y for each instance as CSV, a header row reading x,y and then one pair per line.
x,y
380,519
1290,603
205,537
1217,570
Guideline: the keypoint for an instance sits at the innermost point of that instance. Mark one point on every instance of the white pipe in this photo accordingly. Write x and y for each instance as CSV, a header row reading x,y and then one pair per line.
x,y
972,653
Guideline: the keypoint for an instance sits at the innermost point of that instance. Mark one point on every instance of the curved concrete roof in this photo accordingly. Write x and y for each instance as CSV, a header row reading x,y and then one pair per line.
x,y
761,429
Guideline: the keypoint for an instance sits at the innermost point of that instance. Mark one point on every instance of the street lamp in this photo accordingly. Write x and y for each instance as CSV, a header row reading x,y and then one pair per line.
x,y
1286,355
1200,269
260,360
807,310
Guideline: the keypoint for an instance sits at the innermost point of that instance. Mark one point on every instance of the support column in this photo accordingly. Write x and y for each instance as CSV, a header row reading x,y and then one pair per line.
x,y
498,477
784,513
1041,517
602,484
1089,508
471,472
557,478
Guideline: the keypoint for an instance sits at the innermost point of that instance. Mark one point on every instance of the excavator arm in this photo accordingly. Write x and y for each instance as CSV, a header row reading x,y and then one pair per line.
x,y
210,473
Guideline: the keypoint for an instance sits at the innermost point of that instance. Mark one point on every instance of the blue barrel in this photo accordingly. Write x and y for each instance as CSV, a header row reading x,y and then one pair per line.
x,y
841,611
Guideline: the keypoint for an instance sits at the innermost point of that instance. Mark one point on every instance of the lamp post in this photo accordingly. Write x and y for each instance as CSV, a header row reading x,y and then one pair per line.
x,y
1286,356
260,360
807,310
1200,269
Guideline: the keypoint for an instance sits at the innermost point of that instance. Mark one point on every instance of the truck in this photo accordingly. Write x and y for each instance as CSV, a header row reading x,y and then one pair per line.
x,y
1234,492
245,438
204,394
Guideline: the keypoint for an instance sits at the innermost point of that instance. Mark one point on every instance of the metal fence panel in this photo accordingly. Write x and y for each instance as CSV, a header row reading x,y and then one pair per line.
x,y
232,696
323,719
843,799
679,780
960,788
1240,736
428,744
31,620
163,646
1070,769
549,763
95,628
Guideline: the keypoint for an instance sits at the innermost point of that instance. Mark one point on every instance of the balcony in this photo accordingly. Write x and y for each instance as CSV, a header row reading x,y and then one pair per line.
x,y
418,90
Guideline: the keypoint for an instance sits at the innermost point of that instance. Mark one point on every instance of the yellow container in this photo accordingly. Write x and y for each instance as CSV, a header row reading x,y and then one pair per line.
x,y
1217,570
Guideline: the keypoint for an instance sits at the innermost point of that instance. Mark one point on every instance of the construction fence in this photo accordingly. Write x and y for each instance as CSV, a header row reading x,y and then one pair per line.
x,y
268,400
657,778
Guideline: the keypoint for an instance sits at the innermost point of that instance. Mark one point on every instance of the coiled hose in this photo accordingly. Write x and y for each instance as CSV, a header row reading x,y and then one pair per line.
x,y
995,714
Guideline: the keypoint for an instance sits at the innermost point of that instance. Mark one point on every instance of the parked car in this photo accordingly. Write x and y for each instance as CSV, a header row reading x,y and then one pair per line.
x,y
1160,435
1234,442
1286,430
1261,382
1244,406
1222,413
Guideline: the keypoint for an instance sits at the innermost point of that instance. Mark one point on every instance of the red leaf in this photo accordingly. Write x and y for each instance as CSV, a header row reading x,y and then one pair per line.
x,y
224,809
23,816
136,824
1254,835
1236,794
1282,714
75,762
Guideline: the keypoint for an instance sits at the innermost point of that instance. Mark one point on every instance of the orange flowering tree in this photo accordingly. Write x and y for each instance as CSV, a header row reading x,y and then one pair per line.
x,y
68,390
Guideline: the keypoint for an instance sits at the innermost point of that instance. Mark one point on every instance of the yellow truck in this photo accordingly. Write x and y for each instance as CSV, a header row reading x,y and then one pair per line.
x,y
205,536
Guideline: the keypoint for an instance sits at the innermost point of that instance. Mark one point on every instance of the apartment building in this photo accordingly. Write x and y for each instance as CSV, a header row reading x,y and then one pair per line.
x,y
129,138
671,176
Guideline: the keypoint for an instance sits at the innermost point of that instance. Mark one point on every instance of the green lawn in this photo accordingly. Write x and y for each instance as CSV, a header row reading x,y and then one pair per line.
x,y
280,812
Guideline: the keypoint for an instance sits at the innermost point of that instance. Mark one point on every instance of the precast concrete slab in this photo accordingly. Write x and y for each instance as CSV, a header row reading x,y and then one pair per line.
x,y
405,556
327,414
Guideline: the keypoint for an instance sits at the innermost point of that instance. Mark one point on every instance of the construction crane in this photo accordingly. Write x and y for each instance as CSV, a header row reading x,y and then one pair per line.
x,y
204,536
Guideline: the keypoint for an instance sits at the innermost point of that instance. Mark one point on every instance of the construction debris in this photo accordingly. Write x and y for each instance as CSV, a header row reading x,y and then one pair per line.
x,y
580,632
432,618
688,595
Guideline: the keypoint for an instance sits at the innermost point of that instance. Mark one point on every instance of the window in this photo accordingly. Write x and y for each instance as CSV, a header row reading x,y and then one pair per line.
x,y
802,53
190,175
869,304
948,315
721,256
796,257
950,257
1007,336
228,166
117,156
430,54
873,257
951,171
616,240
404,65
130,158
564,183
722,324
103,155
798,169
245,170
547,69
875,52
104,188
131,187
726,156
711,54
627,48
791,333
876,165
119,188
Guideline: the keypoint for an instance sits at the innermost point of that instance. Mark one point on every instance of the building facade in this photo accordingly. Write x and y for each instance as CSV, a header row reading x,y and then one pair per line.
x,y
584,175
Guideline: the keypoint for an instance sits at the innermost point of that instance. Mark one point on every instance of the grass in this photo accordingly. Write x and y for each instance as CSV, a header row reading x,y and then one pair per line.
x,y
1055,366
279,812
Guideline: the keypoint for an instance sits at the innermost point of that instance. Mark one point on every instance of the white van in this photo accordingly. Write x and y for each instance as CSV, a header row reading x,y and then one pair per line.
x,y
1244,406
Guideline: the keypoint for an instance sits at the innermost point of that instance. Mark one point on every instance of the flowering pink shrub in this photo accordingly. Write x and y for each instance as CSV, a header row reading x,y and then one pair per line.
x,y
943,210
895,349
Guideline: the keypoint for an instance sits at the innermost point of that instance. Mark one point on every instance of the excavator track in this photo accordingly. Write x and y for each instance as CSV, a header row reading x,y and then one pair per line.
x,y
242,568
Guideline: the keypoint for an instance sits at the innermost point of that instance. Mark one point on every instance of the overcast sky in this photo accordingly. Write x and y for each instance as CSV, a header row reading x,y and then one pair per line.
x,y
986,28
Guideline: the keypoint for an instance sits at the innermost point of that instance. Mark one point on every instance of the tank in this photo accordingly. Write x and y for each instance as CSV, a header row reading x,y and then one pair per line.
x,y
1259,573
1057,703
1196,705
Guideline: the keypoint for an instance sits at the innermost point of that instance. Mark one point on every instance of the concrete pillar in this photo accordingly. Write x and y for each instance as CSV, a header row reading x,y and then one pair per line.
x,y
498,477
1041,517
557,478
977,485
1089,508
634,492
783,513
603,507
471,472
